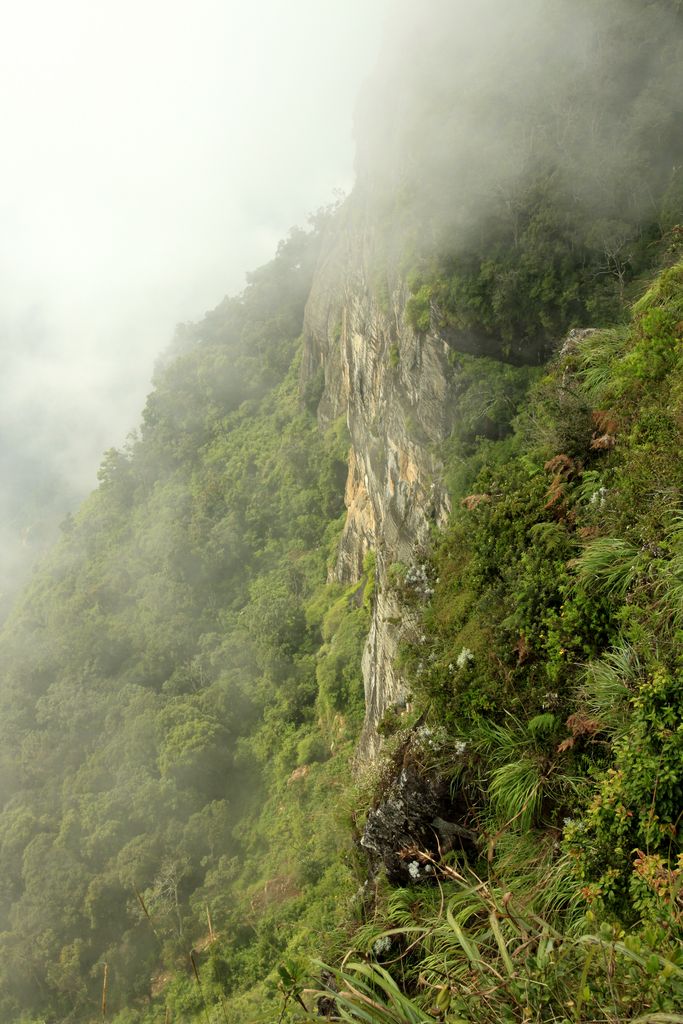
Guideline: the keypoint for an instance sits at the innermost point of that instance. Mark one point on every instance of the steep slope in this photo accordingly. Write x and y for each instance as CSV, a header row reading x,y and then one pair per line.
x,y
170,667
457,246
182,688
547,664
394,388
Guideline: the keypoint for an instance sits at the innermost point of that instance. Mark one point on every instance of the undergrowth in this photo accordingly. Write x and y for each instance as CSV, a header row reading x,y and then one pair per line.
x,y
550,651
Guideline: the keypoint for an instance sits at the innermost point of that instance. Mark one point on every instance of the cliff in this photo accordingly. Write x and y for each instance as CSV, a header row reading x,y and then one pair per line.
x,y
181,694
395,389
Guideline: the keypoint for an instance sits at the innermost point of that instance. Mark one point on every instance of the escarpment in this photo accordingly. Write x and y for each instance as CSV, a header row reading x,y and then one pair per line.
x,y
395,389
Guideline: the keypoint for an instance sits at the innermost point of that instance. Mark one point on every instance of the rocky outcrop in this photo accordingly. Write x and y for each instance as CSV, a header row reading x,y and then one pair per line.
x,y
394,387
417,818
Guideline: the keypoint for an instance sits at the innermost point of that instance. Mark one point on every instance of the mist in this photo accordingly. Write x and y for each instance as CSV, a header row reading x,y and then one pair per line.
x,y
152,154
182,682
469,103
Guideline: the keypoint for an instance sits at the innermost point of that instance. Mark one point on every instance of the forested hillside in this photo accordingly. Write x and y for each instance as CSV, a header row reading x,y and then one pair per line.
x,y
548,663
177,657
482,344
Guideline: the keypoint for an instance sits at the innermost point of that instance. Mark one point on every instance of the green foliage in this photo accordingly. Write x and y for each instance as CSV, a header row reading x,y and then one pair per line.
x,y
527,775
548,221
313,391
181,691
609,564
486,955
418,309
551,650
532,275
340,686
607,686
178,656
369,571
638,802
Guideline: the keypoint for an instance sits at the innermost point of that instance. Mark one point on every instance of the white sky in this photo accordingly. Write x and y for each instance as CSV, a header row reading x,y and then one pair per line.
x,y
152,151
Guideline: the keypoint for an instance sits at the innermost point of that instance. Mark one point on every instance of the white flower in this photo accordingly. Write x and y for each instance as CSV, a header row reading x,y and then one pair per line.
x,y
465,658
599,497
381,945
459,748
414,869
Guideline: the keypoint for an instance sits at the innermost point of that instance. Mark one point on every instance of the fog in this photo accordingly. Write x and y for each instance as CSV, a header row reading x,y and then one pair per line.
x,y
181,665
470,101
152,154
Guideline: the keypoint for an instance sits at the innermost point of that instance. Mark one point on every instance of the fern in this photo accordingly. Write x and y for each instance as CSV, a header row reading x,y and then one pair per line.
x,y
542,726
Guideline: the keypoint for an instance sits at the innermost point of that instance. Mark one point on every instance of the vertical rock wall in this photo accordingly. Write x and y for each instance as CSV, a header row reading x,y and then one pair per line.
x,y
394,388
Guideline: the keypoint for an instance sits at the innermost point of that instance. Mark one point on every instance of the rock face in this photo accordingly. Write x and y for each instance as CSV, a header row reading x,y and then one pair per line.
x,y
415,819
395,389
